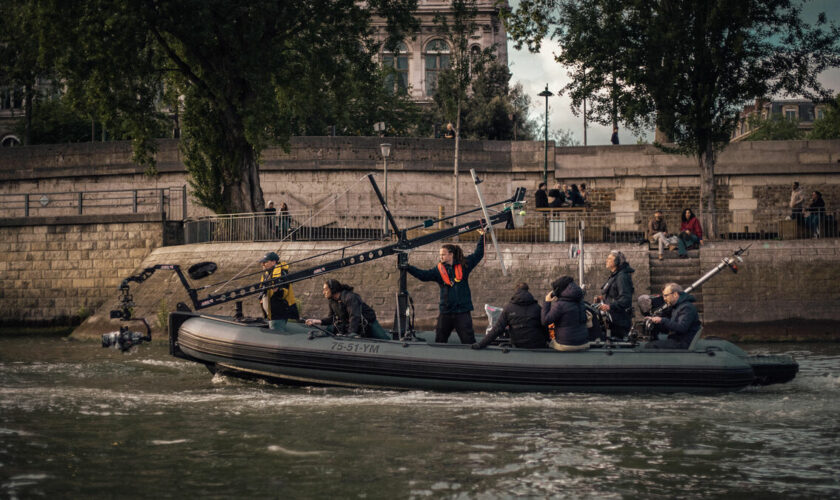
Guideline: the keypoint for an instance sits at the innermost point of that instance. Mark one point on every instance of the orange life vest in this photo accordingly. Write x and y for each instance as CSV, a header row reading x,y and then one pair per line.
x,y
459,273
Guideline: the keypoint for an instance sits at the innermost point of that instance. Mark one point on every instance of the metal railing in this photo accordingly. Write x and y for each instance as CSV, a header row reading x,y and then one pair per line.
x,y
531,227
172,201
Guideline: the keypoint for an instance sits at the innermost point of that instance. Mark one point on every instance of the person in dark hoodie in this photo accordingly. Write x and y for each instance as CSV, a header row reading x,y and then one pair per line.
x,y
683,322
521,316
452,276
349,315
617,294
565,311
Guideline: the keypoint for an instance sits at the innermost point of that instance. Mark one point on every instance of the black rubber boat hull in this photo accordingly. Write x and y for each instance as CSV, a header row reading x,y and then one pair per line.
x,y
304,355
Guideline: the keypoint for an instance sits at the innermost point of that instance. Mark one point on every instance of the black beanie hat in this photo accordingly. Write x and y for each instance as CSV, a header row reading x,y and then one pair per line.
x,y
560,284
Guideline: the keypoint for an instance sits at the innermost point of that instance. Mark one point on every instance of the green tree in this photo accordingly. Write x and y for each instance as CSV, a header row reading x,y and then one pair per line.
x,y
22,63
828,127
456,25
250,74
686,66
493,110
54,122
774,128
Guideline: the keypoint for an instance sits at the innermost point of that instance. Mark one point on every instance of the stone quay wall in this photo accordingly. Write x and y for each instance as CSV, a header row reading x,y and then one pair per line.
x,y
320,173
58,270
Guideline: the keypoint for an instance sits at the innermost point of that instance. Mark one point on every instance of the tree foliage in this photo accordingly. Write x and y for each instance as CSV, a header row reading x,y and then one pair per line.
x,y
492,109
249,74
686,66
828,127
774,128
21,61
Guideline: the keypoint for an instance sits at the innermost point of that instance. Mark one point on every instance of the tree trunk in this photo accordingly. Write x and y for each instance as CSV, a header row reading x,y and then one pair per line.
x,y
708,214
244,195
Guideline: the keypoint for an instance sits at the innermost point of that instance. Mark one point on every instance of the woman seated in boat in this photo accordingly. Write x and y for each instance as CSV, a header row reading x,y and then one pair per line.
x,y
521,317
683,322
452,276
565,315
349,315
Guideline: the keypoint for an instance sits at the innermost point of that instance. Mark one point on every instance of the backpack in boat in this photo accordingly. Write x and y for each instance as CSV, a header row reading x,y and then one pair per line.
x,y
593,324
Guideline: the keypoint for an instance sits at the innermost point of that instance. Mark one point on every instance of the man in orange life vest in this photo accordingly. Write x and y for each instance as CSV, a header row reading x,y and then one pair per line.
x,y
452,275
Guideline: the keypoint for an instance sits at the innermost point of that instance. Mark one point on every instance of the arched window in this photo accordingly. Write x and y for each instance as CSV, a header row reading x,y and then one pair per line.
x,y
9,141
397,81
437,59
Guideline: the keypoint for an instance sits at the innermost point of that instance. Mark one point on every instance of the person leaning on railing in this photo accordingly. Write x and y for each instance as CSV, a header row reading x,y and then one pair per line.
x,y
816,213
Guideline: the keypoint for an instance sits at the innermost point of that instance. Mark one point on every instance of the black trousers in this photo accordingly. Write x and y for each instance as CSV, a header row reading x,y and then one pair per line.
x,y
461,322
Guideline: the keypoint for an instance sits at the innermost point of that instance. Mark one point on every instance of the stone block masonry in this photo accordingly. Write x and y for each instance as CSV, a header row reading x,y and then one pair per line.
x,y
55,273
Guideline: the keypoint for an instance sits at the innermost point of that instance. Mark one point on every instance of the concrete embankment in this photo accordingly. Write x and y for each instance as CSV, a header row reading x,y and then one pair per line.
x,y
785,290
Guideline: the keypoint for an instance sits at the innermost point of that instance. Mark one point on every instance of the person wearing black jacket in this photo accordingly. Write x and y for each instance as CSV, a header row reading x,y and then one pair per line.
x,y
617,294
565,310
683,322
349,315
541,197
452,276
521,317
816,213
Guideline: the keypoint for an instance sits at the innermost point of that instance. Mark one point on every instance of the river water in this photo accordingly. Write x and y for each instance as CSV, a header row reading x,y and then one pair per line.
x,y
79,421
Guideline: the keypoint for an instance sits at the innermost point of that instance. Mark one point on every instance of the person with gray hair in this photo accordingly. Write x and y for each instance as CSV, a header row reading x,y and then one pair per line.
x,y
617,294
682,322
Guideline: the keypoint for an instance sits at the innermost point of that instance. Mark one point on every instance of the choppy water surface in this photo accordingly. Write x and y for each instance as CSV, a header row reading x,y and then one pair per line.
x,y
80,421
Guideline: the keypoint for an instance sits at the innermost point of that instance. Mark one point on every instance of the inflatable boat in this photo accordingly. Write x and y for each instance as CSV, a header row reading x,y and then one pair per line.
x,y
305,355
300,354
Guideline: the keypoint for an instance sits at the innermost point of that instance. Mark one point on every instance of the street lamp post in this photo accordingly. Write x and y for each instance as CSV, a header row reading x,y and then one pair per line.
x,y
385,149
546,93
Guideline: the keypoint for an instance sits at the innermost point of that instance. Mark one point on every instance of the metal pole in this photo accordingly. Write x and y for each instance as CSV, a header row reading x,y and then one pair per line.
x,y
385,216
580,257
545,142
546,93
477,181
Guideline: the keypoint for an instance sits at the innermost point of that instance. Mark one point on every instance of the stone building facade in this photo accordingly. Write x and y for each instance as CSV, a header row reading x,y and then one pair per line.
x,y
418,60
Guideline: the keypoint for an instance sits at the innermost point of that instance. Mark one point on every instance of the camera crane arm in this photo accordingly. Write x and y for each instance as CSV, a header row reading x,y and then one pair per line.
x,y
399,248
731,262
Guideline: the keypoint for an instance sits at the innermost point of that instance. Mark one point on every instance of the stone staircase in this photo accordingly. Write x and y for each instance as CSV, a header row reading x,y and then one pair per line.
x,y
676,270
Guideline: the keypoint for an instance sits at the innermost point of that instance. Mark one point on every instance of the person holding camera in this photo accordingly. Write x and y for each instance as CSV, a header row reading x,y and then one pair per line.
x,y
617,294
683,322
565,316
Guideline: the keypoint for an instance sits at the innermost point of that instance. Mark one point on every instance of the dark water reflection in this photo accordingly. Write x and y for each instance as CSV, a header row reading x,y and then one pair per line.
x,y
80,421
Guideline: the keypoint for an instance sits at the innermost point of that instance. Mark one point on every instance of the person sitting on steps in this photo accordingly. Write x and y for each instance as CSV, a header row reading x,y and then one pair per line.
x,y
691,233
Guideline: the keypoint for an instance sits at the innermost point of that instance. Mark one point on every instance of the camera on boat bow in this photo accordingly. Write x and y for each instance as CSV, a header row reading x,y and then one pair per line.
x,y
124,339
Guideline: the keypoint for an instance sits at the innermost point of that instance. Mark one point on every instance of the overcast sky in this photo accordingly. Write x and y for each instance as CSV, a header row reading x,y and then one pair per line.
x,y
534,71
